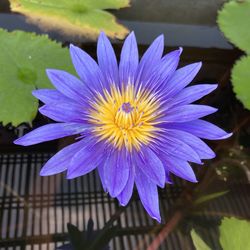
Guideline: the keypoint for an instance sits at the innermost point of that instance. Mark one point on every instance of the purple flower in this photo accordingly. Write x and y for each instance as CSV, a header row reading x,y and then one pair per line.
x,y
134,122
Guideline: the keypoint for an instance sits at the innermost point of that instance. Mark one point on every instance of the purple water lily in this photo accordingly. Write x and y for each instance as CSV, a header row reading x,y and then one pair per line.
x,y
134,122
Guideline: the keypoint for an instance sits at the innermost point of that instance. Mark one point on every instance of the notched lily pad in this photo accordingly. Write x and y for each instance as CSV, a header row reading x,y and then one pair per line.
x,y
234,234
24,58
73,17
234,22
240,80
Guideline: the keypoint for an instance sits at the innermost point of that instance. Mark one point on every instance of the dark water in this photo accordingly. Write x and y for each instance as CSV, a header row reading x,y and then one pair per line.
x,y
34,210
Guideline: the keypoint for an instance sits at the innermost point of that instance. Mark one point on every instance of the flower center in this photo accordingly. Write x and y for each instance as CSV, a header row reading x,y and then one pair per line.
x,y
126,107
125,117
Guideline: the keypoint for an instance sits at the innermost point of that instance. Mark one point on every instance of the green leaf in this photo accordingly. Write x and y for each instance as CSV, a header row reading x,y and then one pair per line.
x,y
103,237
241,80
76,237
24,58
234,234
234,22
74,17
209,197
198,242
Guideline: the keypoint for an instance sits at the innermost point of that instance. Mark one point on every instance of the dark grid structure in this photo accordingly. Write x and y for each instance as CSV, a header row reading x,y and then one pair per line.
x,y
34,210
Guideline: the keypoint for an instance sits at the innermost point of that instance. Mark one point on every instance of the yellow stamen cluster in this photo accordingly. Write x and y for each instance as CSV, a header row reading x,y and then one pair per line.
x,y
125,117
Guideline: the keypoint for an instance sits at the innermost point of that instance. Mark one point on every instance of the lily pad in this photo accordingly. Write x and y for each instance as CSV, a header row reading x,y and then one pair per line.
x,y
73,17
234,234
198,242
234,22
240,80
24,58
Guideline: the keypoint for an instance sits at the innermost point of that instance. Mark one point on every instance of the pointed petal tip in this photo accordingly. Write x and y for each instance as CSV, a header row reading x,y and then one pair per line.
x,y
192,179
42,109
161,36
228,135
212,87
102,35
35,93
215,85
180,50
44,172
50,169
162,184
122,203
212,110
18,141
160,39
211,156
22,142
196,66
74,50
132,36
51,73
168,180
72,46
158,218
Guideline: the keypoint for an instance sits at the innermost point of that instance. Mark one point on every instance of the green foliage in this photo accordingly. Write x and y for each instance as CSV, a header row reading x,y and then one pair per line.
x,y
234,22
89,239
24,58
241,79
198,242
208,197
234,234
74,17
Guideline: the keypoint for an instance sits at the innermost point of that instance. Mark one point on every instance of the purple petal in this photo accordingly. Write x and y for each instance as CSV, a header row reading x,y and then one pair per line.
x,y
49,96
151,165
127,192
181,78
59,162
50,132
202,129
194,142
192,94
187,113
177,148
68,85
107,59
129,60
168,179
179,167
148,193
116,172
87,68
87,159
149,60
164,70
63,112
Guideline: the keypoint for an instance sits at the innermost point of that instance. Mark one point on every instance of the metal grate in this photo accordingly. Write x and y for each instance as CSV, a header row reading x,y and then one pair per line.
x,y
35,210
